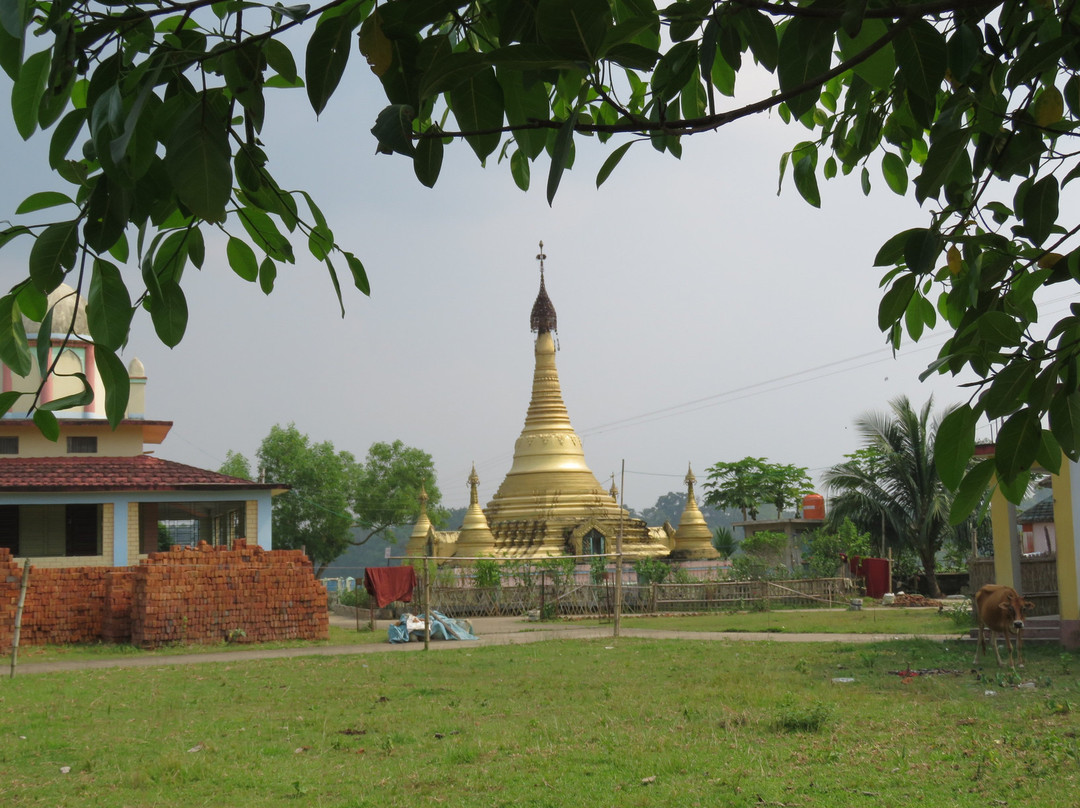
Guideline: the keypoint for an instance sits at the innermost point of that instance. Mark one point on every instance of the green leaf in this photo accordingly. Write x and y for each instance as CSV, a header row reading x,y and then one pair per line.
x,y
895,301
427,163
895,172
47,424
1048,454
197,160
560,155
117,384
53,254
11,52
1016,488
8,399
393,130
80,399
280,58
44,341
611,162
1065,422
169,313
27,91
997,329
879,68
327,56
954,445
971,491
42,200
921,59
478,108
1041,209
805,176
519,169
64,136
1017,443
524,104
1009,388
921,250
760,36
265,234
108,306
13,17
242,259
267,275
806,49
574,29
14,348
359,274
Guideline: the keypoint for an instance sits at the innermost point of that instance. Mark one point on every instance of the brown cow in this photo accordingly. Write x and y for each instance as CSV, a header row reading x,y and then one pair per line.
x,y
1001,610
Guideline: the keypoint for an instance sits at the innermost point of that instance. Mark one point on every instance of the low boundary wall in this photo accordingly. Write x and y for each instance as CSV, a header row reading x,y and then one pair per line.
x,y
200,595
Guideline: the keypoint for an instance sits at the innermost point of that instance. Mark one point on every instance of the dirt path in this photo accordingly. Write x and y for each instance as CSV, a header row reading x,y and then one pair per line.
x,y
489,631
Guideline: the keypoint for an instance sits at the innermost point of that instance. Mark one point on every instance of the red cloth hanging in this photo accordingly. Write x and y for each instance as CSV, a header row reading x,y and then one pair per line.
x,y
387,584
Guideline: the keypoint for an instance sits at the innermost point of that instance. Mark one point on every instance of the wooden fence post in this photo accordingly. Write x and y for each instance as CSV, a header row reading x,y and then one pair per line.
x,y
18,616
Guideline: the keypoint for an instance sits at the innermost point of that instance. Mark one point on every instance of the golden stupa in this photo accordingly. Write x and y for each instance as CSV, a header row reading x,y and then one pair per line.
x,y
550,503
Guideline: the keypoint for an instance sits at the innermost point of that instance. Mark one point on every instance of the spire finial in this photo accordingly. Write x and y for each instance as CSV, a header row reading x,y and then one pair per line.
x,y
543,312
473,481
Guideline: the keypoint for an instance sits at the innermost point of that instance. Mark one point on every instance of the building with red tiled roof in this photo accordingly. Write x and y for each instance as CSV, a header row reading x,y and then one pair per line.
x,y
94,496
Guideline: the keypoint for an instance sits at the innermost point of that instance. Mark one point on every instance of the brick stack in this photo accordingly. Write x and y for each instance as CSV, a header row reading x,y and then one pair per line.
x,y
202,595
210,594
62,605
116,620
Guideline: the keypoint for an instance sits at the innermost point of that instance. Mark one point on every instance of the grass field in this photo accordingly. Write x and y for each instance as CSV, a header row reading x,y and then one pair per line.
x,y
597,722
816,621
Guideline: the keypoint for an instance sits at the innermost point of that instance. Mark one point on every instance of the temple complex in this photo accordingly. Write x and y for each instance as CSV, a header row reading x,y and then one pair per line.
x,y
550,503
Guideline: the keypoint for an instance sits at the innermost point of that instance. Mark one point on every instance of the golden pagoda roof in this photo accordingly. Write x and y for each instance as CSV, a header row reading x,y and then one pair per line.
x,y
475,537
549,487
693,539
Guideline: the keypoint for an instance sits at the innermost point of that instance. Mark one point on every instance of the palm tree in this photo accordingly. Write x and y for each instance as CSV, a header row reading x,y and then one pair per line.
x,y
893,483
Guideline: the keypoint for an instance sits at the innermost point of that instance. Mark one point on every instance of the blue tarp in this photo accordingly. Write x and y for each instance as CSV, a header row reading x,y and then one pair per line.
x,y
442,628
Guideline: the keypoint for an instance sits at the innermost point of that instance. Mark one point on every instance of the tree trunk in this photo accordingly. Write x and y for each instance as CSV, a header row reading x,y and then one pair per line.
x,y
930,569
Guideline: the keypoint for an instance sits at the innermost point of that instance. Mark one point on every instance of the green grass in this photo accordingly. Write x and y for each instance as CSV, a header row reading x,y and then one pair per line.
x,y
78,653
816,621
629,723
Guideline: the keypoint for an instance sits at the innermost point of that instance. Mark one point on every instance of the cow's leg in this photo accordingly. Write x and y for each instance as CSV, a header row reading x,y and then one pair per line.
x,y
994,642
1009,646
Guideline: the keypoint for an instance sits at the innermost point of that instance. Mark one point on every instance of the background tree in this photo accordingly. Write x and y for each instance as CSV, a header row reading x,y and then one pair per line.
x,y
736,485
156,111
826,546
236,465
385,491
784,485
901,488
314,514
765,550
753,481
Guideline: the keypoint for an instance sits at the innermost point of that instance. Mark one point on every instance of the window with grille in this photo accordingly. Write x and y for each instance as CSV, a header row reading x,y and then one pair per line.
x,y
82,444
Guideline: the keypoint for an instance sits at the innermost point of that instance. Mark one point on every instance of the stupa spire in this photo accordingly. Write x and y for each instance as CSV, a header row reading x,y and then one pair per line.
x,y
693,539
543,317
475,538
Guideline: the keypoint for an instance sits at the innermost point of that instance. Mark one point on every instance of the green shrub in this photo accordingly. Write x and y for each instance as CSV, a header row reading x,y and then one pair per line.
x,y
802,716
597,569
357,597
487,573
651,571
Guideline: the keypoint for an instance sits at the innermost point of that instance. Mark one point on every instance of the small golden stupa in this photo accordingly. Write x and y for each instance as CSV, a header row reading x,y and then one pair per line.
x,y
550,503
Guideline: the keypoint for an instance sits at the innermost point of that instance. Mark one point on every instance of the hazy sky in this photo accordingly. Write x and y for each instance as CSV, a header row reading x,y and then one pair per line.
x,y
701,317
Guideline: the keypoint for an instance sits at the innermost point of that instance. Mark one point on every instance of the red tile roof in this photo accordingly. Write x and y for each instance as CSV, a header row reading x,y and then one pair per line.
x,y
140,473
